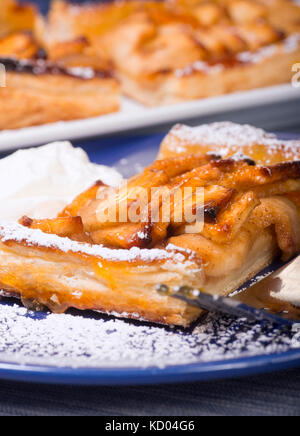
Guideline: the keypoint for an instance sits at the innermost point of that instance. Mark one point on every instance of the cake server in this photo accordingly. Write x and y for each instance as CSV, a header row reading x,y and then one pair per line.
x,y
274,298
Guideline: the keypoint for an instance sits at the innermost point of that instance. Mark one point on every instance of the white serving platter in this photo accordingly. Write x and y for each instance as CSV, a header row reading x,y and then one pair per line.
x,y
133,116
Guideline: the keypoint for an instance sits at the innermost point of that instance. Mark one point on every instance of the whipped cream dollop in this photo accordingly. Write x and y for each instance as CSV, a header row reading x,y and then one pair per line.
x,y
40,182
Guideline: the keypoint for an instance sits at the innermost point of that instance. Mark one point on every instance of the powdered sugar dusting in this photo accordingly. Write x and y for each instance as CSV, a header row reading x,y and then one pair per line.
x,y
257,56
292,43
222,134
289,45
86,340
201,66
225,135
16,232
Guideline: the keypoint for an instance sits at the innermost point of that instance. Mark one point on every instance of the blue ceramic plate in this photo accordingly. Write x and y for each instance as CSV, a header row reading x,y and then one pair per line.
x,y
93,349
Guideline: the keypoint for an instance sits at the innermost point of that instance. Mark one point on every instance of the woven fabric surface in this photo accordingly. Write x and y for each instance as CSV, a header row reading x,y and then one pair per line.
x,y
267,395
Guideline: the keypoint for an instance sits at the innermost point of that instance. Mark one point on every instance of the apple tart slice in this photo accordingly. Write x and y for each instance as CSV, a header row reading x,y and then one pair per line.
x,y
177,50
45,85
250,215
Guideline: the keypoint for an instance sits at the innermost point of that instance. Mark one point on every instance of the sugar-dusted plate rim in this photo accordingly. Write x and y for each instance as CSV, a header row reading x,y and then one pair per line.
x,y
199,371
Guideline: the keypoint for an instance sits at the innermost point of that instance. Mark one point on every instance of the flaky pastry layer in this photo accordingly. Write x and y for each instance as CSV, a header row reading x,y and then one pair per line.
x,y
43,85
202,80
61,273
31,100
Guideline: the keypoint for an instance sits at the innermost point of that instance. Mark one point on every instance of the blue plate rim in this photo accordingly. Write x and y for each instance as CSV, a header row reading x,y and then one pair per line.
x,y
197,371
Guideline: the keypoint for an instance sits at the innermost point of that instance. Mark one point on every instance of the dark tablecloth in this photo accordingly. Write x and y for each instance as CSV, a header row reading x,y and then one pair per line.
x,y
274,394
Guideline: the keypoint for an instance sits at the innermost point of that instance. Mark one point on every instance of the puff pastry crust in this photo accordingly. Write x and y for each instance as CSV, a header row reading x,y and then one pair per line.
x,y
45,85
251,215
60,273
172,51
54,93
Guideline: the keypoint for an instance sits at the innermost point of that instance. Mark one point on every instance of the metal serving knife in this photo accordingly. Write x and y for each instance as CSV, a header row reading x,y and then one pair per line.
x,y
258,302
